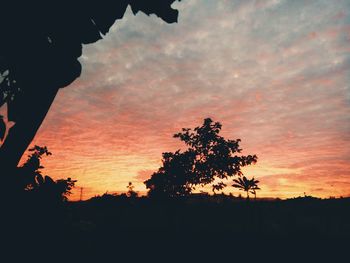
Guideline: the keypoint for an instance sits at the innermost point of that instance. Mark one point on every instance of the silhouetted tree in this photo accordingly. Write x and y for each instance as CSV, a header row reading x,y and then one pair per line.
x,y
244,184
208,157
56,190
131,193
35,63
31,180
30,171
175,177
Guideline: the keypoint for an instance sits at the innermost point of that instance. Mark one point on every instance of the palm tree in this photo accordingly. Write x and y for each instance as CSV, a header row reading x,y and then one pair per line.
x,y
244,184
131,192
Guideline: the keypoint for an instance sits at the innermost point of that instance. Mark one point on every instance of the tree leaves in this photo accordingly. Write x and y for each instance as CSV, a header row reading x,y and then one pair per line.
x,y
32,180
247,185
208,157
39,51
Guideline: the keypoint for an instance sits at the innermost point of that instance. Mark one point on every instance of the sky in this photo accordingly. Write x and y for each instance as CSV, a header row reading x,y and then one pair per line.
x,y
275,73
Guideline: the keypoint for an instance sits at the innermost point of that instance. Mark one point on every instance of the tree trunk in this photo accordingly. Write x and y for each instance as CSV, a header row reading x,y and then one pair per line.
x,y
28,111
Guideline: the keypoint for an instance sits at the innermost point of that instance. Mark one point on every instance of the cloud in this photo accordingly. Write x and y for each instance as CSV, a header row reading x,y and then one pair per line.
x,y
143,175
275,73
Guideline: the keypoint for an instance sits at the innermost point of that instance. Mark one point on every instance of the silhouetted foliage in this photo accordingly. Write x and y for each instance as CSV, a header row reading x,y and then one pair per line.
x,y
209,156
31,180
175,177
131,192
247,185
35,62
30,171
218,187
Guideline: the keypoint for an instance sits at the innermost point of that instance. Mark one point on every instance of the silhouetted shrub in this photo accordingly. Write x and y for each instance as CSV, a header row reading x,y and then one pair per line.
x,y
30,181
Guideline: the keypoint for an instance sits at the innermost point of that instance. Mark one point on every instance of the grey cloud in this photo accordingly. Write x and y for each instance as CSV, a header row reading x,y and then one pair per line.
x,y
250,64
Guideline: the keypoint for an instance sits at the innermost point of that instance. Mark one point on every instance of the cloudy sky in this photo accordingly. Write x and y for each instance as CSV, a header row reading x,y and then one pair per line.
x,y
275,73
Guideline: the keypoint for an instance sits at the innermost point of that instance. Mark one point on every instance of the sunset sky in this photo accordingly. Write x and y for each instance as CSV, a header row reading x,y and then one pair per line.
x,y
275,73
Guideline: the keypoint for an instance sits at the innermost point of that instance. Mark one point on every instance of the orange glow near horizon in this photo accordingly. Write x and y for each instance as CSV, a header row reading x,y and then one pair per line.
x,y
111,174
283,88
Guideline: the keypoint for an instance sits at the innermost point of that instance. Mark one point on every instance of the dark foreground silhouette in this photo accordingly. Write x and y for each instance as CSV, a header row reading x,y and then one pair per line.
x,y
220,215
38,220
39,50
199,224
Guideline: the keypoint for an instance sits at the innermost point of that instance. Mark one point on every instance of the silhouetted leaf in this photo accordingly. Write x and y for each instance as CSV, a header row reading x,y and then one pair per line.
x,y
49,180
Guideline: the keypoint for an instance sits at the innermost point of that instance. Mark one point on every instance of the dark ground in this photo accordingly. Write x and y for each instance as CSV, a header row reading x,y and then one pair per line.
x,y
200,226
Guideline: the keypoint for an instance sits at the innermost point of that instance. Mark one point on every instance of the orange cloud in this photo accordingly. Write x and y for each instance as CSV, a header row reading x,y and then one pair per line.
x,y
282,87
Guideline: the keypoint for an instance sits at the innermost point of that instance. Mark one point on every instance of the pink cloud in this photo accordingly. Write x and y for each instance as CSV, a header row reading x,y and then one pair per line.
x,y
280,87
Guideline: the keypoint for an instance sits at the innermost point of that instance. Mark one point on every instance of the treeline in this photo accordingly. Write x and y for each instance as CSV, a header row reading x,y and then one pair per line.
x,y
207,160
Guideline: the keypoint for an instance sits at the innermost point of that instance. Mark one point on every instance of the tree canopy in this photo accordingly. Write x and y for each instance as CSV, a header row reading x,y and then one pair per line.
x,y
51,43
30,180
208,157
247,185
39,51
